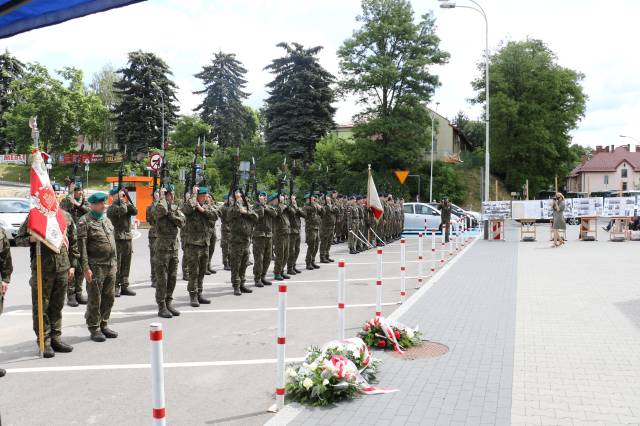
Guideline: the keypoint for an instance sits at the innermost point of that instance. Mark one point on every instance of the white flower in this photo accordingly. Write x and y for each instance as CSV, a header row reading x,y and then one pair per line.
x,y
292,373
307,383
410,333
313,366
305,365
325,382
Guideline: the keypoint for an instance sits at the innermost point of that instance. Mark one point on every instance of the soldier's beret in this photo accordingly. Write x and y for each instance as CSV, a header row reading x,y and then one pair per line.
x,y
169,187
77,185
273,196
114,190
307,195
56,186
262,193
97,197
225,197
203,190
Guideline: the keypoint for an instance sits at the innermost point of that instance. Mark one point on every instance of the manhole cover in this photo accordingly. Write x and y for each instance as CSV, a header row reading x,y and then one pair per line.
x,y
426,350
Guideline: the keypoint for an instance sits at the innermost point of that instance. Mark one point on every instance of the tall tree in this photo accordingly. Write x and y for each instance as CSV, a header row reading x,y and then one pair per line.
x,y
386,64
222,107
473,130
143,86
535,103
188,129
11,69
102,85
298,110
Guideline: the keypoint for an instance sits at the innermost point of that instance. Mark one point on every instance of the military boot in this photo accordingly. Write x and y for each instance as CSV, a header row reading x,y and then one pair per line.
x,y
117,291
174,311
153,284
71,300
3,372
48,352
323,260
97,336
258,283
278,277
207,272
202,300
265,281
59,346
163,312
244,289
309,267
227,268
298,271
291,272
127,292
315,266
109,333
81,298
285,276
236,291
194,300
330,259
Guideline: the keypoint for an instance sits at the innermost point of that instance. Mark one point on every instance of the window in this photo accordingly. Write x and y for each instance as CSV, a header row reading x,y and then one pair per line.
x,y
408,208
624,186
606,179
623,173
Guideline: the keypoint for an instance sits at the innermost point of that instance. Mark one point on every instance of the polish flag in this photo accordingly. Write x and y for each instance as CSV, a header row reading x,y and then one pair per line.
x,y
46,220
373,200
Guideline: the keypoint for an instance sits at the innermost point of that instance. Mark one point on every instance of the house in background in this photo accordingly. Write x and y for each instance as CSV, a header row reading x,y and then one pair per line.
x,y
610,169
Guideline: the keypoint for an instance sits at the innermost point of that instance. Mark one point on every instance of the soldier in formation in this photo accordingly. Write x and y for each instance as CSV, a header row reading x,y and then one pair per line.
x,y
266,211
281,232
241,218
151,221
6,269
295,222
327,228
77,206
313,213
120,213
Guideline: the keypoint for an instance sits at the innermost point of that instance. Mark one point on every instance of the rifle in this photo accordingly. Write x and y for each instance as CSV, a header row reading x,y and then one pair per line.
x,y
120,177
254,176
191,179
204,164
282,178
165,176
234,174
292,179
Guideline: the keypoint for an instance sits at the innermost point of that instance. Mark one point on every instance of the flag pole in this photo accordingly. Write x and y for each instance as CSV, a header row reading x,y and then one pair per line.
x,y
368,197
33,124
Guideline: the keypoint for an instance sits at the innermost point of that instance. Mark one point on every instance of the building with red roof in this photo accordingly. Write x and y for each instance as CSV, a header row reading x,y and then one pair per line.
x,y
610,169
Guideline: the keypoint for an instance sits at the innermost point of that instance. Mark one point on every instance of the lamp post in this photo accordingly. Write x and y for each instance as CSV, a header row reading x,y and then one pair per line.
x,y
451,5
154,84
630,137
431,114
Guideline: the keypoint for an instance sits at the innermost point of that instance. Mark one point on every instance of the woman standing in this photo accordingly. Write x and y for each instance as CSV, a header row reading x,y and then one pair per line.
x,y
558,219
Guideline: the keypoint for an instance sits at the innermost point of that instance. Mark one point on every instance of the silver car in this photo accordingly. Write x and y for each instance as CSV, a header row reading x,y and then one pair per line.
x,y
418,216
13,212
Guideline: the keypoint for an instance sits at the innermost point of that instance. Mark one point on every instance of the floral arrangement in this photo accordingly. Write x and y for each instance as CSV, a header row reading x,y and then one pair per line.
x,y
385,334
340,370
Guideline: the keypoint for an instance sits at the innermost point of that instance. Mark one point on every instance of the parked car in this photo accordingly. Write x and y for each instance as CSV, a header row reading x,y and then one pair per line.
x,y
470,217
415,215
13,212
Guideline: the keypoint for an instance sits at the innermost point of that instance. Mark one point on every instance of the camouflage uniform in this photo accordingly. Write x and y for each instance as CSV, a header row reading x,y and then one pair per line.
x,y
169,220
262,234
352,224
97,247
295,213
76,212
241,221
6,265
55,270
327,230
151,220
225,231
120,213
212,235
281,231
312,214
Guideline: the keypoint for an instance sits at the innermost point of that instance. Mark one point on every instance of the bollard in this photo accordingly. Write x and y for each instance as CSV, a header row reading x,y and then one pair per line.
x,y
341,298
281,340
451,238
379,284
403,266
157,374
419,284
456,242
433,252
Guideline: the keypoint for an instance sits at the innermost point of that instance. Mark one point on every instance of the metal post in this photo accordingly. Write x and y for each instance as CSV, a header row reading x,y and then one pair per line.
x,y
341,299
403,267
419,260
157,374
379,283
433,252
281,340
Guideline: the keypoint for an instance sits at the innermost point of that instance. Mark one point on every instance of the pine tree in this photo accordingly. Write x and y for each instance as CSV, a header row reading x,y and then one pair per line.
x,y
298,111
222,106
11,69
145,82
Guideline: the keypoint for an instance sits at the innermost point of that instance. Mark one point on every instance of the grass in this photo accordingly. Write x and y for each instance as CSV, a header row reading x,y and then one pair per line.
x,y
471,179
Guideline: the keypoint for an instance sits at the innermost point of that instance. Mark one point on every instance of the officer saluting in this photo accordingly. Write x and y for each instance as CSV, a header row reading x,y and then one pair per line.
x,y
97,247
120,213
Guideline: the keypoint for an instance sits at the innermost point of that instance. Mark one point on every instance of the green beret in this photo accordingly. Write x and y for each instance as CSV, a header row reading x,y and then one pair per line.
x,y
56,186
226,196
113,191
97,197
273,196
169,187
262,194
307,195
77,185
203,190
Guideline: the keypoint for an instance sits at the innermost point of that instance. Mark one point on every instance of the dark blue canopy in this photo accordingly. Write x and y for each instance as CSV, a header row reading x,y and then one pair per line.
x,y
18,16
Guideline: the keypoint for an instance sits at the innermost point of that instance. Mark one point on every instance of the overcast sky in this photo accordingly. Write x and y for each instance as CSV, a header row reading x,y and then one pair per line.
x,y
598,38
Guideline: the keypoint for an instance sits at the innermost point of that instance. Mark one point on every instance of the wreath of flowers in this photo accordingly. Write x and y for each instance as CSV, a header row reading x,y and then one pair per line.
x,y
382,333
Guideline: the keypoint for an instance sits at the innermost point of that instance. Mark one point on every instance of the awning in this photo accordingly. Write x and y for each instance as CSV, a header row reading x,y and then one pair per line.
x,y
18,16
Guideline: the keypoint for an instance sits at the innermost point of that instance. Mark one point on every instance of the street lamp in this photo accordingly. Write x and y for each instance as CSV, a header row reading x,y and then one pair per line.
x,y
630,137
451,5
431,114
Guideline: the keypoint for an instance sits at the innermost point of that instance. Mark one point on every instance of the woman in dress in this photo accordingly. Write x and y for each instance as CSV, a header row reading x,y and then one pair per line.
x,y
558,219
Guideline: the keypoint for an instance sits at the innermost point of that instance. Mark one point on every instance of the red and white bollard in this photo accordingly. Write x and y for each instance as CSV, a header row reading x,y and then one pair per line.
x,y
419,284
281,341
434,261
403,266
451,238
379,283
341,299
157,374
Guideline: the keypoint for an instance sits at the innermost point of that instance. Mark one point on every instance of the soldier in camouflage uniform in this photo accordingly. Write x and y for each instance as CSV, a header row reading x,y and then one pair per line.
x,y
97,247
327,228
120,213
6,269
183,262
262,233
312,213
57,271
295,213
225,231
151,221
242,219
198,215
340,219
212,231
169,219
77,206
352,224
362,223
281,231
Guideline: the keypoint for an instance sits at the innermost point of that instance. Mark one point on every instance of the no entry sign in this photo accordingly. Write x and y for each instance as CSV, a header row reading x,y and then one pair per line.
x,y
155,162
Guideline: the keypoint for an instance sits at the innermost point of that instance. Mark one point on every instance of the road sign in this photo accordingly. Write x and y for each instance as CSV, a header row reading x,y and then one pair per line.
x,y
155,162
401,175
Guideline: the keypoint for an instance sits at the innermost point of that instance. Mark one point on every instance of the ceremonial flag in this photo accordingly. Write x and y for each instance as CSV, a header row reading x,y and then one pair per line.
x,y
373,200
46,220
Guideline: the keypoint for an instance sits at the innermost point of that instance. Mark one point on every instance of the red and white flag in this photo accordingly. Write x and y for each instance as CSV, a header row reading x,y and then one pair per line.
x,y
46,220
373,200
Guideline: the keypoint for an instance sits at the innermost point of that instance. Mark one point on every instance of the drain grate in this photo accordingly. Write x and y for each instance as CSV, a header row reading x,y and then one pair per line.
x,y
427,349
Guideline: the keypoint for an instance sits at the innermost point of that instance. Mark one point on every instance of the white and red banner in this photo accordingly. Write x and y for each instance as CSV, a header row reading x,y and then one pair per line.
x,y
373,200
46,220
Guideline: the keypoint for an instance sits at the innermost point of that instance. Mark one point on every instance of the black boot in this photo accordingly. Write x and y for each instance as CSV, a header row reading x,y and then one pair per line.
x,y
81,298
109,333
309,267
97,336
117,291
153,284
3,372
174,311
258,283
315,266
323,260
48,352
203,300
291,272
207,272
244,289
163,312
353,251
194,300
330,259
59,346
298,271
236,291
278,277
265,281
127,292
72,301
285,276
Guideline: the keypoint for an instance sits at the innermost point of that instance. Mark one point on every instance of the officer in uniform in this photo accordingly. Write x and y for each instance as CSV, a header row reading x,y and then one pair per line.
x,y
262,234
6,269
151,221
327,228
97,247
312,213
198,214
169,220
352,224
77,206
281,231
295,213
241,218
212,231
225,231
120,213
445,217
